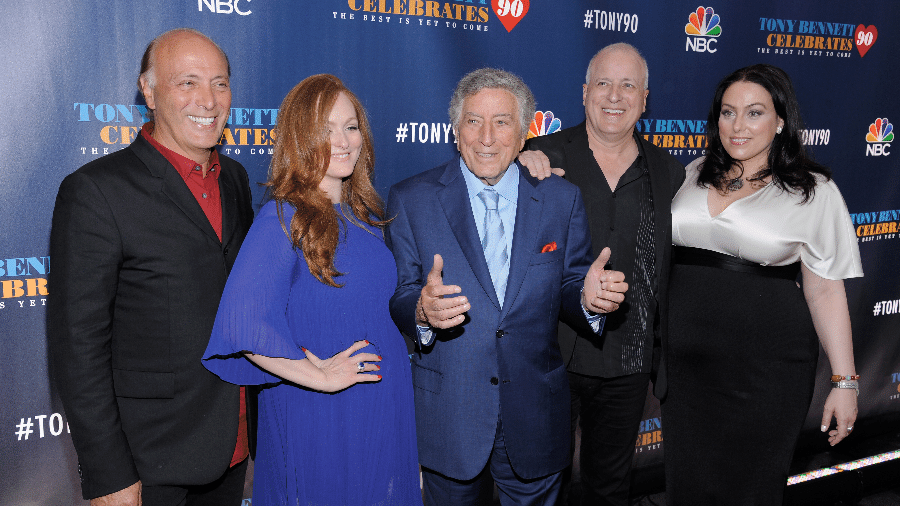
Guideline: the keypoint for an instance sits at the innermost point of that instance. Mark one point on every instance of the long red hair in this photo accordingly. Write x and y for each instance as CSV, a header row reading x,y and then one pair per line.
x,y
301,157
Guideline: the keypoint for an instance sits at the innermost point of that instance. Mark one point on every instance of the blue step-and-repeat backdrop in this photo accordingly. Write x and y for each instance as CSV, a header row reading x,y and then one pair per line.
x,y
68,72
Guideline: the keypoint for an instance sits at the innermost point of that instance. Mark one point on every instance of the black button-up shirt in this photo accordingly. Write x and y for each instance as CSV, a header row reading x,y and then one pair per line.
x,y
623,220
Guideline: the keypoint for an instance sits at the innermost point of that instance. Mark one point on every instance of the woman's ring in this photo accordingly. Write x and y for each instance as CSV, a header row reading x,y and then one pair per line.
x,y
360,366
849,428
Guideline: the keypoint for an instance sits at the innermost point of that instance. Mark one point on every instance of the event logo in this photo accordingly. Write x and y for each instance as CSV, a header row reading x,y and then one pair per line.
x,y
865,37
885,307
703,26
817,137
26,428
876,225
453,15
679,136
815,38
612,21
879,137
510,12
424,132
223,7
248,127
649,435
543,124
30,290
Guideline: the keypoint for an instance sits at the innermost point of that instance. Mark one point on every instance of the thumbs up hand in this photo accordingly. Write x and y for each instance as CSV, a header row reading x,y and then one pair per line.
x,y
603,290
433,309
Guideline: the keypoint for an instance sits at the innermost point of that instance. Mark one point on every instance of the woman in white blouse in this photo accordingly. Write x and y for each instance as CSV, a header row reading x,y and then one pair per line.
x,y
741,348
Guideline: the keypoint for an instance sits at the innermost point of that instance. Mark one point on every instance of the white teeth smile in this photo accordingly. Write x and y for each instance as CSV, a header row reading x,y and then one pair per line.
x,y
342,156
739,141
614,111
202,121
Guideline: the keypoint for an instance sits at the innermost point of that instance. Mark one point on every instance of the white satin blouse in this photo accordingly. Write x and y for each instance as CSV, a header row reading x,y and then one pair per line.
x,y
771,227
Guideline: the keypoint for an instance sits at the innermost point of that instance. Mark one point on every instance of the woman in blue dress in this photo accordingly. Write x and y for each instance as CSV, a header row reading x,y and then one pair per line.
x,y
313,280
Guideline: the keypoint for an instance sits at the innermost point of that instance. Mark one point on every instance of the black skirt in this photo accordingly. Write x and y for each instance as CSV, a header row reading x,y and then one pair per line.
x,y
741,362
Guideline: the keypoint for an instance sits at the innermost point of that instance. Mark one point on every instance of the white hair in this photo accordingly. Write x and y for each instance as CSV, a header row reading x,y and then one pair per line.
x,y
620,46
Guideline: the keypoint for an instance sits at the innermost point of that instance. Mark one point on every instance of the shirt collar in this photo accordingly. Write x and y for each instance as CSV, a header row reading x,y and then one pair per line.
x,y
507,187
183,165
641,156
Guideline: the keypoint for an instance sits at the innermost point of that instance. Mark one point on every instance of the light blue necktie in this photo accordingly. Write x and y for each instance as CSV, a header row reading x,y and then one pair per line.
x,y
492,243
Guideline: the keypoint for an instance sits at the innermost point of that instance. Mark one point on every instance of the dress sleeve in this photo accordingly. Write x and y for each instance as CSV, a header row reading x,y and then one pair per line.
x,y
832,251
252,314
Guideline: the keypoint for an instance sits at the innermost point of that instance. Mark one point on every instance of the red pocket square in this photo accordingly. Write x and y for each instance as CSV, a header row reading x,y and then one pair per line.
x,y
549,247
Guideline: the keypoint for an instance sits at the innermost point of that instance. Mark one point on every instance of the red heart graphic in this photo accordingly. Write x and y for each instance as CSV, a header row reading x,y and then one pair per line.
x,y
865,36
510,12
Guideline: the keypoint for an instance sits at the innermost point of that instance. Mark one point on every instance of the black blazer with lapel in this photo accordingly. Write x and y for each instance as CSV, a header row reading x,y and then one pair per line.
x,y
135,284
568,149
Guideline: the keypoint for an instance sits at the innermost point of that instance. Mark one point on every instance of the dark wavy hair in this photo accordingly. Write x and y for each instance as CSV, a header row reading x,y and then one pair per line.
x,y
299,162
789,164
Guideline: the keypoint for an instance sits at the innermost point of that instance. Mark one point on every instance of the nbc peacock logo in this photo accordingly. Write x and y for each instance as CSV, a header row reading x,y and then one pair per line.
x,y
703,26
879,137
704,22
543,124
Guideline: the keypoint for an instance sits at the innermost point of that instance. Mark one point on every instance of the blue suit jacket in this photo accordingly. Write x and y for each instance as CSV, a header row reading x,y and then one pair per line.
x,y
502,362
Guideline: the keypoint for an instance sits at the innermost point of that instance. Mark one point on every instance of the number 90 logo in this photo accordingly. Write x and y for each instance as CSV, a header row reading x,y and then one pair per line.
x,y
510,12
514,8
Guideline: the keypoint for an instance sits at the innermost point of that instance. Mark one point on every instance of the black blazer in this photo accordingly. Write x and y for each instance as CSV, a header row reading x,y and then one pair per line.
x,y
136,280
568,149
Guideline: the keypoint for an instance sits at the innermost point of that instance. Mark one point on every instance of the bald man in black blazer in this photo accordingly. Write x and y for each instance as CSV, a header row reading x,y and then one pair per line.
x,y
141,251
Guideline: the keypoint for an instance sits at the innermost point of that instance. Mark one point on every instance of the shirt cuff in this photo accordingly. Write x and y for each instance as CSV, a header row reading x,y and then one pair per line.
x,y
595,320
425,335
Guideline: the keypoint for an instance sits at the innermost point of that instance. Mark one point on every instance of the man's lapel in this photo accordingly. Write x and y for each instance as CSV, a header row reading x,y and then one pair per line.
x,y
659,186
176,189
228,198
173,186
528,218
579,154
454,199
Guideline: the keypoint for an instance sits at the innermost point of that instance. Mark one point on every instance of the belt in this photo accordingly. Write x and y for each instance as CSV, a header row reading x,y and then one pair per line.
x,y
685,255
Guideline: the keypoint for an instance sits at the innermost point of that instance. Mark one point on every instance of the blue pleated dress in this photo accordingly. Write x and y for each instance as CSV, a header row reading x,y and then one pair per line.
x,y
354,447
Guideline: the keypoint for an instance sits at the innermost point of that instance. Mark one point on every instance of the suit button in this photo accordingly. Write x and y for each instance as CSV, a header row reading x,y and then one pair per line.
x,y
500,334
226,251
494,381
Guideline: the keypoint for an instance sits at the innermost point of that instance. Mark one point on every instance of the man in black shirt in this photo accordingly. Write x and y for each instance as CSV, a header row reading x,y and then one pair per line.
x,y
627,184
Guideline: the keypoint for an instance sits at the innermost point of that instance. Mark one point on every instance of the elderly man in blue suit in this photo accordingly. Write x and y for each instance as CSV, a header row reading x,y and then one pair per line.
x,y
488,260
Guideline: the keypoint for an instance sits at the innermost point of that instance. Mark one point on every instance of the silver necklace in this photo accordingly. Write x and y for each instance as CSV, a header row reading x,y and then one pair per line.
x,y
733,185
